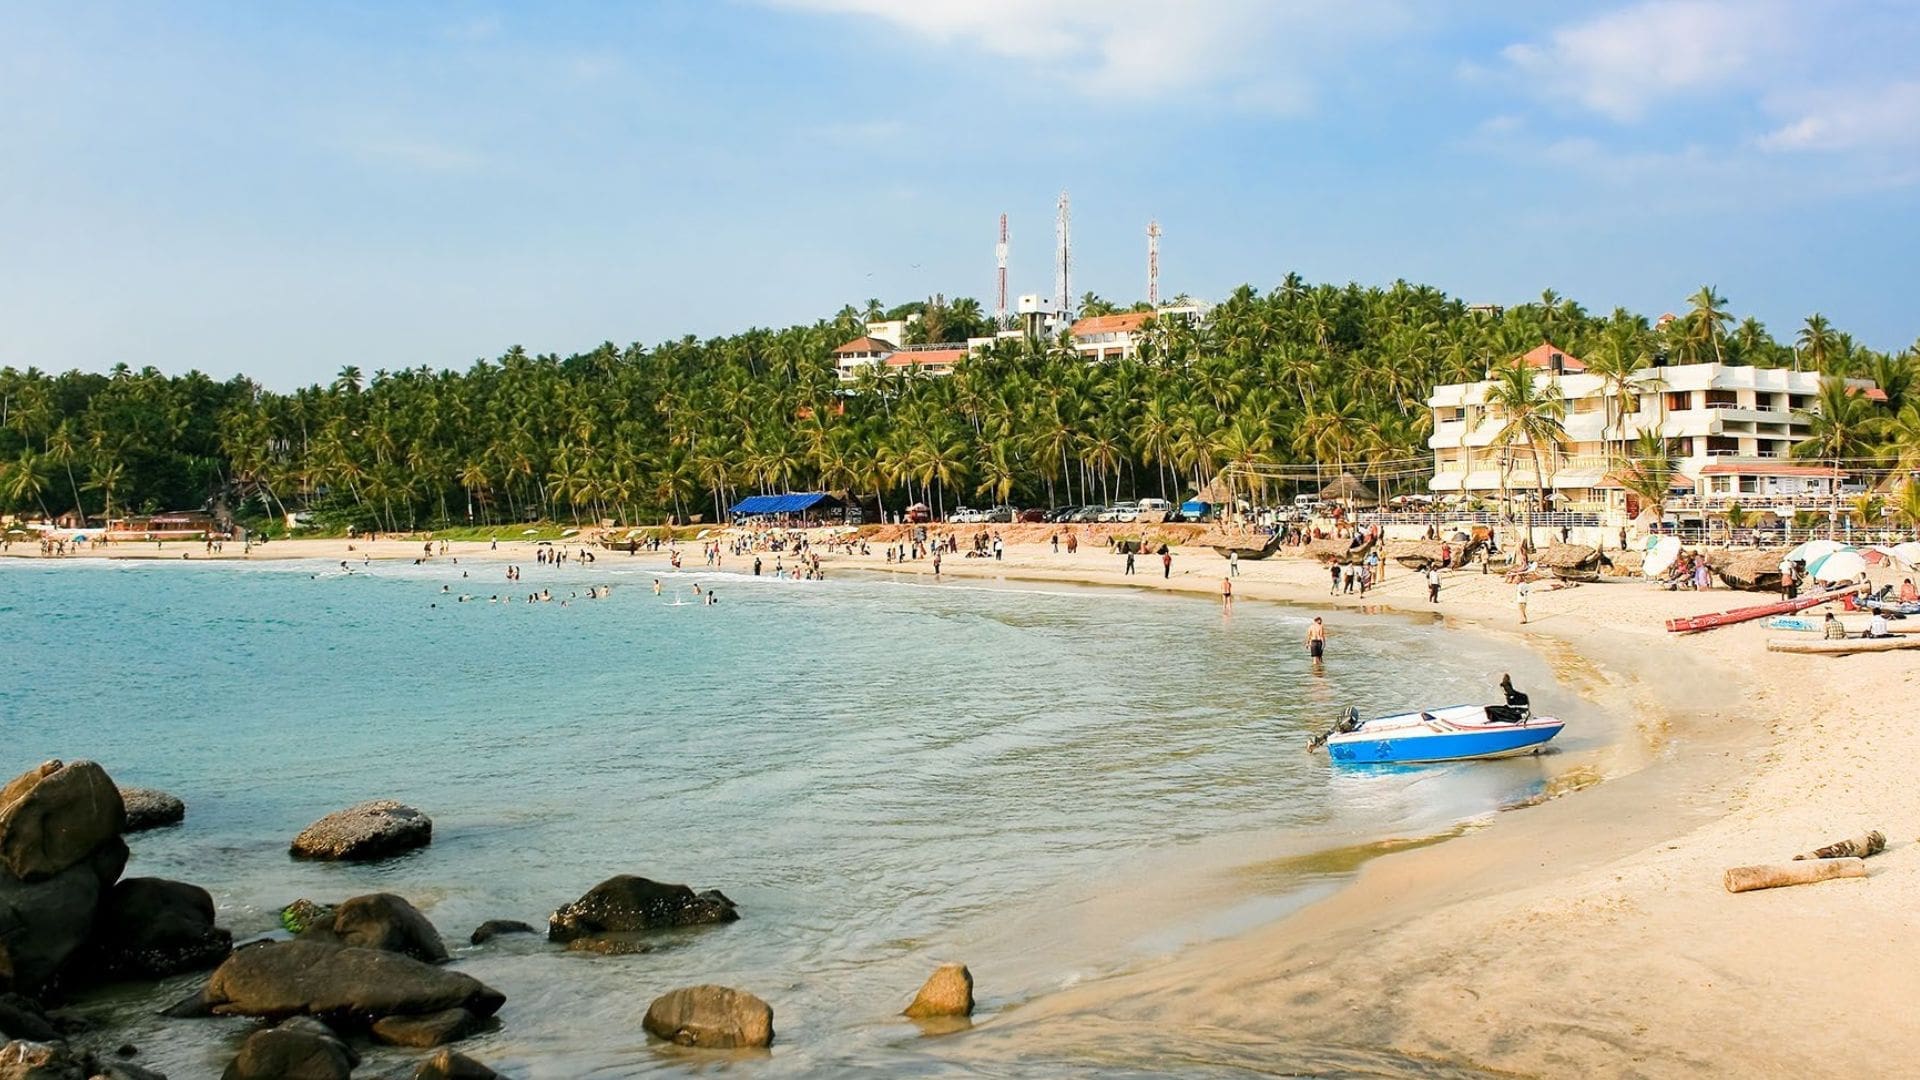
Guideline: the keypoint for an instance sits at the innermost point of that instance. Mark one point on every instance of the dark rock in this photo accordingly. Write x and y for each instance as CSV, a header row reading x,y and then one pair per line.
x,y
423,1032
714,1017
151,928
340,984
44,923
24,1060
122,1070
290,1054
54,816
371,830
127,1050
22,1018
447,1065
610,945
627,903
194,1006
385,921
493,928
150,809
947,992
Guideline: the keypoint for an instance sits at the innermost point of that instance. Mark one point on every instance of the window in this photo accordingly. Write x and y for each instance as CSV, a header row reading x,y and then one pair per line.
x,y
1679,401
1749,485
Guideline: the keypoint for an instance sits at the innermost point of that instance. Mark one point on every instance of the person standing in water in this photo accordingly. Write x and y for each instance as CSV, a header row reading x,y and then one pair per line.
x,y
1317,640
1226,593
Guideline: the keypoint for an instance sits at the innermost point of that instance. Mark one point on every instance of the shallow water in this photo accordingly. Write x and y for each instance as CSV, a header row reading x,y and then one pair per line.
x,y
1048,783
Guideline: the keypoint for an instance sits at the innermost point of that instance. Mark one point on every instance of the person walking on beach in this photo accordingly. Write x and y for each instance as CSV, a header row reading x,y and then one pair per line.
x,y
1129,568
1520,595
1333,584
1233,564
1056,543
936,564
1317,640
1433,584
1166,563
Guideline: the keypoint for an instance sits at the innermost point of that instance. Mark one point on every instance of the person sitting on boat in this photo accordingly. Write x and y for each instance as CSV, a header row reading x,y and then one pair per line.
x,y
1517,708
1877,626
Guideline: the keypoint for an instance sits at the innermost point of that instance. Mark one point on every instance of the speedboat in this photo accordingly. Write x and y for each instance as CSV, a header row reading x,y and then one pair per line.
x,y
1455,733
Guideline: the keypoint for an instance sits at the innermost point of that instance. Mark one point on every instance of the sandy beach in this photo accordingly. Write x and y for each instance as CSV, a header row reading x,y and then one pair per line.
x,y
1588,934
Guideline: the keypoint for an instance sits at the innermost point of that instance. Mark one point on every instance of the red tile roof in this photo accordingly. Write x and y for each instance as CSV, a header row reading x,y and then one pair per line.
x,y
1872,393
925,357
1127,322
1541,359
864,344
1766,468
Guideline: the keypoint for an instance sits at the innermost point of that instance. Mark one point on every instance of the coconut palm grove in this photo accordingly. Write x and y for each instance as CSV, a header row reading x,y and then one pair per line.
x,y
1328,375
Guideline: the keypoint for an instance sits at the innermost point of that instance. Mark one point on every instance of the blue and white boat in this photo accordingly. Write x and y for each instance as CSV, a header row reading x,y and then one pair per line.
x,y
1455,733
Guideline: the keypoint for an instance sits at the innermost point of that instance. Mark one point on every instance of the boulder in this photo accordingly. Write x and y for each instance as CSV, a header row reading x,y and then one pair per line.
x,y
23,1060
340,984
54,816
948,992
122,1070
371,830
291,1053
305,916
447,1065
385,921
151,928
623,944
43,923
424,1032
628,903
493,928
712,1017
22,1018
150,809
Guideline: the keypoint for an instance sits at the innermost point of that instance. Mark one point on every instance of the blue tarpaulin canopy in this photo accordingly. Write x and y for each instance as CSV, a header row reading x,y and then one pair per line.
x,y
782,504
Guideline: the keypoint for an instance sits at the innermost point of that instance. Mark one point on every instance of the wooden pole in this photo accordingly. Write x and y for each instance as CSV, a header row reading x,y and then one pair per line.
x,y
1853,847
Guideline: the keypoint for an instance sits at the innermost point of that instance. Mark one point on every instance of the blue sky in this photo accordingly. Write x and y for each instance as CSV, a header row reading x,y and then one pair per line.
x,y
284,189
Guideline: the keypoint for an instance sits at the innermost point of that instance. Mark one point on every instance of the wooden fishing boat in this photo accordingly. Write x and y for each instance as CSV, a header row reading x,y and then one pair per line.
x,y
1855,624
1890,606
1842,646
1695,623
1249,546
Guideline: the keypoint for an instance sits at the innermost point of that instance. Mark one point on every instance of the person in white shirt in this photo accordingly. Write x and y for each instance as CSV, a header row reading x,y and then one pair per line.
x,y
1877,626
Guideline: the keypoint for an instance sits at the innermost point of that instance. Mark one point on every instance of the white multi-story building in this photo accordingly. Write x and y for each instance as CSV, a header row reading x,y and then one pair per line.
x,y
1730,430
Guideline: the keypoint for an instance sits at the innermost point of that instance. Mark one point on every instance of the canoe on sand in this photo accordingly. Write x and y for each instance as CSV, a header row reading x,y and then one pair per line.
x,y
1842,646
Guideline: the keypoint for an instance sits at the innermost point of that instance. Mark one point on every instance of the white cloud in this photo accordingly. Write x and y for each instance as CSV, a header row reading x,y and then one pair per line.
x,y
1849,119
1624,62
1258,54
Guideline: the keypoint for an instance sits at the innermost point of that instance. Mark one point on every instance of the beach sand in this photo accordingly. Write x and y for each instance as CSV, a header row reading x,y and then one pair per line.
x,y
1590,934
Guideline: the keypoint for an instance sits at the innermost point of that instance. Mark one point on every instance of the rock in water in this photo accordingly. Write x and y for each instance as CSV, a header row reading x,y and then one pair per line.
x,y
371,830
493,928
447,1065
151,928
385,921
948,992
151,809
339,983
23,1018
627,903
291,1053
54,816
44,923
22,1060
714,1017
303,916
423,1032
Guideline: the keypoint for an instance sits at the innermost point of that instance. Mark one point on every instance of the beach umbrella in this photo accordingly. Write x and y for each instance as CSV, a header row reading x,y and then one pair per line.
x,y
1813,550
1837,566
1908,552
1662,551
1877,555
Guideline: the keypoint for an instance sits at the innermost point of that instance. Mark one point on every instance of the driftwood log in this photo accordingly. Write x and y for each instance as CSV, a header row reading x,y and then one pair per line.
x,y
1853,847
1748,878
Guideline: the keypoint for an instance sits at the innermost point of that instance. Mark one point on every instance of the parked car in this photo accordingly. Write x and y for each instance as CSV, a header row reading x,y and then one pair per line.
x,y
1087,513
1032,515
1121,512
1000,515
963,515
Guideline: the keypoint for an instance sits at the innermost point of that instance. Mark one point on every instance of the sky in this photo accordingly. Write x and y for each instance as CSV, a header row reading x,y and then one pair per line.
x,y
282,189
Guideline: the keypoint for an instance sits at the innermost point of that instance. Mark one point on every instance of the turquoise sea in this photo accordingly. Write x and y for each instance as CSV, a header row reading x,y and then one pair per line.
x,y
1048,783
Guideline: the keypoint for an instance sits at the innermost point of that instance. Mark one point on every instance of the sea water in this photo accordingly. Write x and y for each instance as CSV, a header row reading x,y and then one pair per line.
x,y
1048,783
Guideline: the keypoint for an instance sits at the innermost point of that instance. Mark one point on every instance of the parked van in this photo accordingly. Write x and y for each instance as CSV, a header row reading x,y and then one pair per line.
x,y
1154,511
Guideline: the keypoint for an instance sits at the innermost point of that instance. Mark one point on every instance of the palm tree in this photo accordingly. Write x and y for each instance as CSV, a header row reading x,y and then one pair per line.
x,y
1648,472
1709,318
1816,343
1531,415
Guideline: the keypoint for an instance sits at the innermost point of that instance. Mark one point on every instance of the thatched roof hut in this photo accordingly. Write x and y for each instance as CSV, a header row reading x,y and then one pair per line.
x,y
1751,569
1571,562
1349,489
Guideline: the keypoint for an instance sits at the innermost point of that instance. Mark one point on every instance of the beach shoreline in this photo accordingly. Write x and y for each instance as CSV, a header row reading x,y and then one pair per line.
x,y
1588,933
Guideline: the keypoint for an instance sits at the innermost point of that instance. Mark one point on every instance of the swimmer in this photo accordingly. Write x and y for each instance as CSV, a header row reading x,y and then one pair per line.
x,y
656,586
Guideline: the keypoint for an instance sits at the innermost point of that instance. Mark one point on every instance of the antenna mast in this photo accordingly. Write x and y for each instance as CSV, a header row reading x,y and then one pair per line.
x,y
1000,256
1153,264
1062,278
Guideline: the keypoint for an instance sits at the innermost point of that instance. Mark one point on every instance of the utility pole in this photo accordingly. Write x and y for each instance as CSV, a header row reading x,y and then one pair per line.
x,y
1153,264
